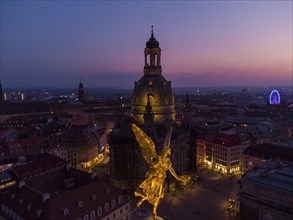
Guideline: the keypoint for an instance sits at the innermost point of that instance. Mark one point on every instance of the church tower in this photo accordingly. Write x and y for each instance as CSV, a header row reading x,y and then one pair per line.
x,y
81,96
153,82
1,93
152,57
187,113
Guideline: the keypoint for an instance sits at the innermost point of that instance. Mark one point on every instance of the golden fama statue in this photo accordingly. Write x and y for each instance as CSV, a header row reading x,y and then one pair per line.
x,y
152,187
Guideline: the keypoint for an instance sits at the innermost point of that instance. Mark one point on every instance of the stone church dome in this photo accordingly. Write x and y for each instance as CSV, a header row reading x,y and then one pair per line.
x,y
154,86
152,43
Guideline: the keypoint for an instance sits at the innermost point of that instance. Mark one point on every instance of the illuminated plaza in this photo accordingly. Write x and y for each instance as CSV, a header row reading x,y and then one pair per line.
x,y
202,200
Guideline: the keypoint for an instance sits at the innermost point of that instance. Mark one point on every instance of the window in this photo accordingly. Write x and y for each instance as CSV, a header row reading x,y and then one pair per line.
x,y
65,211
100,211
80,204
126,208
93,215
94,197
113,203
86,217
106,207
114,215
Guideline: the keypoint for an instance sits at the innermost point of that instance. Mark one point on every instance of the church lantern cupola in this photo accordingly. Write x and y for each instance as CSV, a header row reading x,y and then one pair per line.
x,y
152,56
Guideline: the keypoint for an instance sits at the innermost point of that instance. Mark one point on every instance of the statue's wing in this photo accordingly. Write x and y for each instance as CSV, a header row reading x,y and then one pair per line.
x,y
146,144
168,138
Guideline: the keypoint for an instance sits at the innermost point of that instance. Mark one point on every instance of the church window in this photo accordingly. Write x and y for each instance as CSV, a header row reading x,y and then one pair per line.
x,y
148,59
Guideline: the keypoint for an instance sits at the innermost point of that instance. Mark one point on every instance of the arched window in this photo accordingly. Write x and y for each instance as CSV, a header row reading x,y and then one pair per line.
x,y
86,217
148,59
120,199
93,215
106,206
156,59
113,203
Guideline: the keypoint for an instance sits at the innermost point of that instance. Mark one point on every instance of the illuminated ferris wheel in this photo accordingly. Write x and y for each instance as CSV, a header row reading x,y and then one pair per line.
x,y
275,97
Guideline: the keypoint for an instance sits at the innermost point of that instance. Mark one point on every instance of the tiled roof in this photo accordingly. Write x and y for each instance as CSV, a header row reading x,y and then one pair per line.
x,y
271,150
27,201
91,195
45,161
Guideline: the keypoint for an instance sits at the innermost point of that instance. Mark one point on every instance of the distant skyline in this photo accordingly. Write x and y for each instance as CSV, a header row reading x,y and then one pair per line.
x,y
204,43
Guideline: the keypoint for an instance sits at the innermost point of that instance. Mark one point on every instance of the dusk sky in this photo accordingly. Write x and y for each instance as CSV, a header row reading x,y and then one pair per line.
x,y
204,43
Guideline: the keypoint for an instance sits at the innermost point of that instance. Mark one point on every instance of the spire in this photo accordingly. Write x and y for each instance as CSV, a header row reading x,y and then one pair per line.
x,y
81,95
120,114
80,84
187,106
152,31
1,92
187,113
